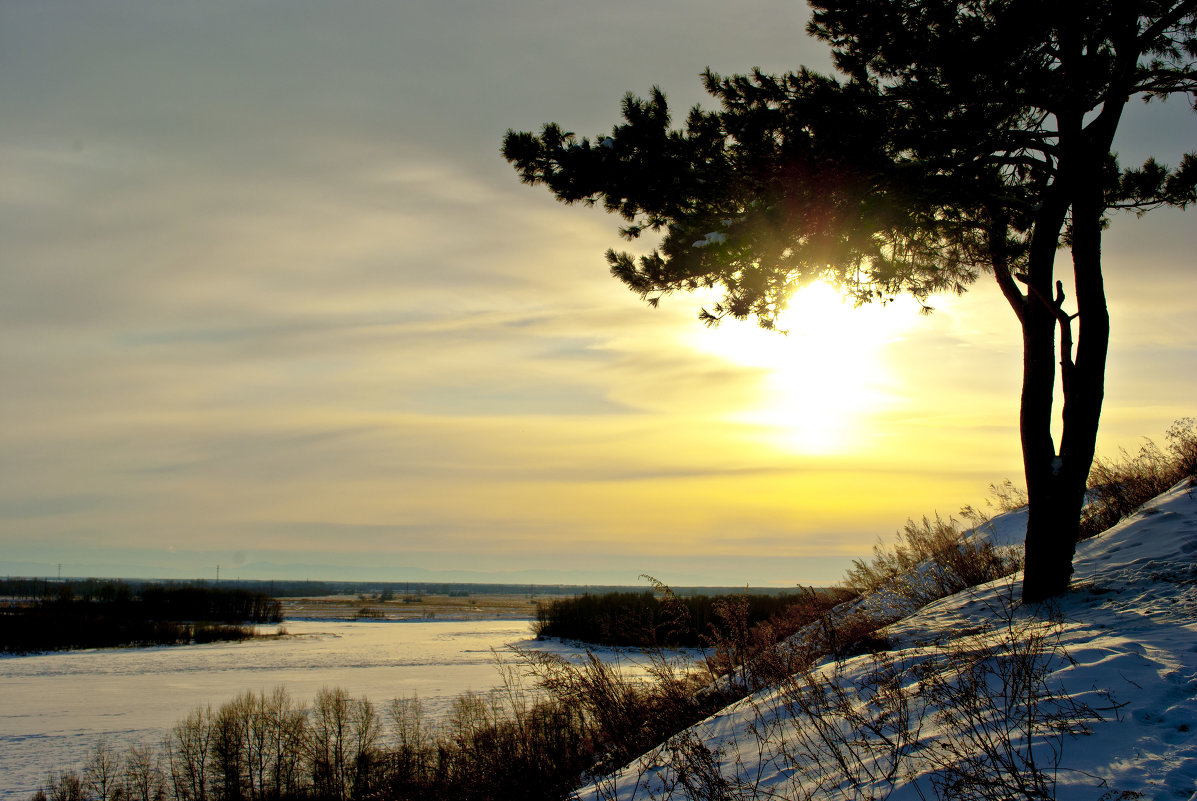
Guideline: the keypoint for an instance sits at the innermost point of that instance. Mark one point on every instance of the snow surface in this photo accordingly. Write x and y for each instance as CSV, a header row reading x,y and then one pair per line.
x,y
1118,657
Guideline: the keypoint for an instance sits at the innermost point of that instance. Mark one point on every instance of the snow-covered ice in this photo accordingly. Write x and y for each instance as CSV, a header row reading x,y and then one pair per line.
x,y
54,707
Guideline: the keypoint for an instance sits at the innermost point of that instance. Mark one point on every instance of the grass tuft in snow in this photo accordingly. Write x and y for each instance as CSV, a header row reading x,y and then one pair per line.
x,y
1119,487
931,559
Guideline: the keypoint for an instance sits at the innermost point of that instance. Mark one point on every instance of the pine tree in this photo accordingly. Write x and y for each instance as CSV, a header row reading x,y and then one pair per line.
x,y
959,139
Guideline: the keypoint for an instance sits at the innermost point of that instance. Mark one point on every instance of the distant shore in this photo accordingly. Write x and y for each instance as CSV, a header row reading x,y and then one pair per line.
x,y
411,608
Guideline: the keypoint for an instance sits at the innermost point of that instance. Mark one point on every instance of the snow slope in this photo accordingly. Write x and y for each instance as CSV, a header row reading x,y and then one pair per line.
x,y
1090,697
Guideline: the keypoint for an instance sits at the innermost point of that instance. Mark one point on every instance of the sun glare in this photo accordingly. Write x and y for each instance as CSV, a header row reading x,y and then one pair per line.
x,y
823,377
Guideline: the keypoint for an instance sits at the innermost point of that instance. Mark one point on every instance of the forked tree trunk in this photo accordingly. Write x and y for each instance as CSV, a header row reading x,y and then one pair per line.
x,y
1052,524
1056,481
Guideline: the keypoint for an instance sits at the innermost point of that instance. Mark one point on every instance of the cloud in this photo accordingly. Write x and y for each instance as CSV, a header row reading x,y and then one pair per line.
x,y
266,286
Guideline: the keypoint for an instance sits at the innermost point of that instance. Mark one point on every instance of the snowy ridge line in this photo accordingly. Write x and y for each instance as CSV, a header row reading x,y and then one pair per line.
x,y
1091,696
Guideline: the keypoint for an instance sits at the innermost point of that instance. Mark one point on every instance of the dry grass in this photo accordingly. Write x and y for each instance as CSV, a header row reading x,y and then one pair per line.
x,y
931,559
1118,487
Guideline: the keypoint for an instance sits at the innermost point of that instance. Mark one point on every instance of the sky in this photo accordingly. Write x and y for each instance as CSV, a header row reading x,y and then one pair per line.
x,y
271,300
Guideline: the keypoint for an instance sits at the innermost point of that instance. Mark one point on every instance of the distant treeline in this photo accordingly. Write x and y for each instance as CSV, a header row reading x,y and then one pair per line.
x,y
98,614
104,588
296,588
640,619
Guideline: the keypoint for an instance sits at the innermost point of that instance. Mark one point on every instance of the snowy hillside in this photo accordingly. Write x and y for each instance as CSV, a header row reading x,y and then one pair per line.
x,y
1092,697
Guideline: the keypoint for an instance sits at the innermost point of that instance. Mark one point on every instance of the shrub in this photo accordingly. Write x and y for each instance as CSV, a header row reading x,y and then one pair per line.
x,y
746,657
65,786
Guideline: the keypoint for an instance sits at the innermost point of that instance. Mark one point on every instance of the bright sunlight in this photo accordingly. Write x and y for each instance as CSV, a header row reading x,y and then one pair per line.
x,y
822,378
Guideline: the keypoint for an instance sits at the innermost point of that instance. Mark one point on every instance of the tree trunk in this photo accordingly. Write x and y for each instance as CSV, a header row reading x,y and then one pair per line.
x,y
1054,509
1050,540
1056,483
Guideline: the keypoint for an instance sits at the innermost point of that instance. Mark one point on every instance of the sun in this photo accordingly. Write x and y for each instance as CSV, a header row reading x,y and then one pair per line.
x,y
822,378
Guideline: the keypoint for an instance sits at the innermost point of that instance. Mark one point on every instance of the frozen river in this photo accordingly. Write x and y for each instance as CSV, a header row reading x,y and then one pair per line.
x,y
53,707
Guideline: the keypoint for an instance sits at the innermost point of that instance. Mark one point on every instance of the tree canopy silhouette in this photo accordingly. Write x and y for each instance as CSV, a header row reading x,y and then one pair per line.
x,y
959,139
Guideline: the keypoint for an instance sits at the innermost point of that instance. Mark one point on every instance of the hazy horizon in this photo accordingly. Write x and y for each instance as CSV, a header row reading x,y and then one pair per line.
x,y
265,572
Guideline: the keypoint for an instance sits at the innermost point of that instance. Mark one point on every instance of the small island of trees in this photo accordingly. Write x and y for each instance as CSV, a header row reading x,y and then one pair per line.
x,y
93,613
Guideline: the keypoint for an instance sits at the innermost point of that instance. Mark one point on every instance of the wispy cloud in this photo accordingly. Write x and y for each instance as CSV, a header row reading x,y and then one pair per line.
x,y
266,287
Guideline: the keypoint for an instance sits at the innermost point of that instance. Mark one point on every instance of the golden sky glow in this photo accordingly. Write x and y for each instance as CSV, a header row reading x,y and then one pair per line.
x,y
825,370
271,299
